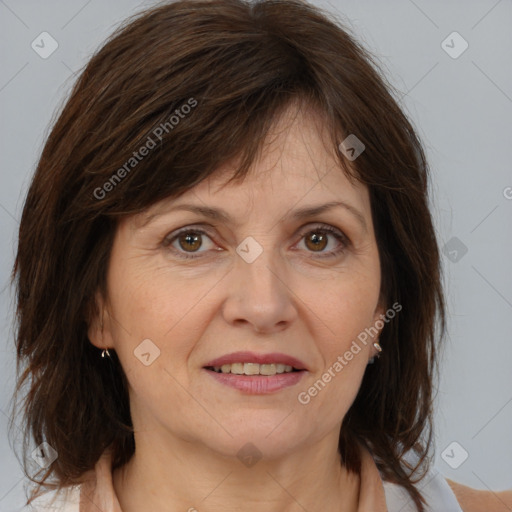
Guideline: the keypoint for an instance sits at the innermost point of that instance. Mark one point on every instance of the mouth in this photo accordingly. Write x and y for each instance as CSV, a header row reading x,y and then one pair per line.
x,y
263,370
256,374
252,363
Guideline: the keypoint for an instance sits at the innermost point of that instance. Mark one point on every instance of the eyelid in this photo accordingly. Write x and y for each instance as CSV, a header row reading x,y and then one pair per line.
x,y
206,229
202,229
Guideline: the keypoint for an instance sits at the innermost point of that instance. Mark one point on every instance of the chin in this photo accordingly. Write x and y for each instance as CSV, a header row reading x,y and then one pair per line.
x,y
259,435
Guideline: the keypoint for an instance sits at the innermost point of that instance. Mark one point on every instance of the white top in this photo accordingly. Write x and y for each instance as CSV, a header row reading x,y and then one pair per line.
x,y
433,487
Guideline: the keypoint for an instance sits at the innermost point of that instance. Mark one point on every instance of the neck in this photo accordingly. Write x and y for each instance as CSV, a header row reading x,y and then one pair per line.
x,y
189,477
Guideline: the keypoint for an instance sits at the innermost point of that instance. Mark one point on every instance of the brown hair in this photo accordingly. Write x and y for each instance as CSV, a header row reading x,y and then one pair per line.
x,y
238,65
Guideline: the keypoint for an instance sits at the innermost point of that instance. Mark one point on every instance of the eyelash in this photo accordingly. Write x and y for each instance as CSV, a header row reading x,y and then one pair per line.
x,y
321,228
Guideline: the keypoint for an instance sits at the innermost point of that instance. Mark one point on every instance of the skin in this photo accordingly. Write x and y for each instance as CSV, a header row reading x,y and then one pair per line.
x,y
188,427
479,500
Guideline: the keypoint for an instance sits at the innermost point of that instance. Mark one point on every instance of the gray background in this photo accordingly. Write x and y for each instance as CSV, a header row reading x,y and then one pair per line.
x,y
462,108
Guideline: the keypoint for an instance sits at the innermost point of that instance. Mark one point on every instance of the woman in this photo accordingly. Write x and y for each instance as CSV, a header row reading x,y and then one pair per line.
x,y
227,276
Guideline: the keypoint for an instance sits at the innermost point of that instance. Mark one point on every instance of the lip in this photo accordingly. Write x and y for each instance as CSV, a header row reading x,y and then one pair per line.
x,y
257,384
252,357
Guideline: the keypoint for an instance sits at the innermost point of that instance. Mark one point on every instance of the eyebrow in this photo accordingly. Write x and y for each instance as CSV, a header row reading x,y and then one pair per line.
x,y
221,215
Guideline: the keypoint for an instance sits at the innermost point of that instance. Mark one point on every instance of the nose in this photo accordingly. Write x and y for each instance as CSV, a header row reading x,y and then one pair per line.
x,y
258,295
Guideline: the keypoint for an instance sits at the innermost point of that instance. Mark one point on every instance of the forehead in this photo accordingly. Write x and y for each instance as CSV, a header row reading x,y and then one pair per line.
x,y
297,166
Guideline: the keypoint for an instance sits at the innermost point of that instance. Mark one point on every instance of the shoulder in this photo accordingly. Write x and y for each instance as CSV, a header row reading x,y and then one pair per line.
x,y
475,500
444,494
65,500
433,487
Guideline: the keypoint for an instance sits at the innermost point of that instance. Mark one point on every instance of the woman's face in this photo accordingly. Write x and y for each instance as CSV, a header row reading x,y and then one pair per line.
x,y
264,281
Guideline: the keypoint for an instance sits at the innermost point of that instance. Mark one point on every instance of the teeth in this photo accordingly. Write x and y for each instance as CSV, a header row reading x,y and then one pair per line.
x,y
253,368
237,368
268,369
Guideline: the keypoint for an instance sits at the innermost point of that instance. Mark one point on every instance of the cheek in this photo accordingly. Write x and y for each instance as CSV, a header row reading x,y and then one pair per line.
x,y
153,302
161,314
154,332
344,310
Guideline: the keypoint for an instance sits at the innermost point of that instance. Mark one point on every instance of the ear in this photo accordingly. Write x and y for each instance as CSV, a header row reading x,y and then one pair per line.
x,y
378,324
380,313
98,331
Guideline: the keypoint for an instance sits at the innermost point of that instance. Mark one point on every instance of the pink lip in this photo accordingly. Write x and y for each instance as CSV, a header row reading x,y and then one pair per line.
x,y
258,384
251,357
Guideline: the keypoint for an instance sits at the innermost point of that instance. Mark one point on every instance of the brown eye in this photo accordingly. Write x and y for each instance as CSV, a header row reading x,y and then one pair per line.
x,y
186,244
191,240
315,241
